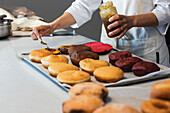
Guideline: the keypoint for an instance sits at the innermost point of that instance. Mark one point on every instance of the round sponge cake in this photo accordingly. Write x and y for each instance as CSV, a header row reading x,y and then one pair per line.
x,y
36,55
167,80
108,74
89,65
161,90
46,61
73,77
116,108
82,104
56,68
89,88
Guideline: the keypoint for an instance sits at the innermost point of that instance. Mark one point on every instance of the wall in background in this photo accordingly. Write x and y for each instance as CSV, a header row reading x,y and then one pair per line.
x,y
51,9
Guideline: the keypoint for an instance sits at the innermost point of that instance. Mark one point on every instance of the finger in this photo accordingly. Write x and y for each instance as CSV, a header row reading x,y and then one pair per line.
x,y
115,24
33,36
124,27
115,17
36,32
115,32
121,35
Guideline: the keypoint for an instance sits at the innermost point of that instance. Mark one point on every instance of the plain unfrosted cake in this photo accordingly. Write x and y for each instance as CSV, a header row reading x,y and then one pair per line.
x,y
36,55
51,59
56,68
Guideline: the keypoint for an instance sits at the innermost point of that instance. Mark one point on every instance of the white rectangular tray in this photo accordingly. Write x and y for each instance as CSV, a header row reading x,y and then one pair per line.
x,y
129,77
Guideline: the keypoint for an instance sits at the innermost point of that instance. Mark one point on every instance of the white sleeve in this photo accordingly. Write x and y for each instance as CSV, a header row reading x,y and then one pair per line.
x,y
162,12
82,10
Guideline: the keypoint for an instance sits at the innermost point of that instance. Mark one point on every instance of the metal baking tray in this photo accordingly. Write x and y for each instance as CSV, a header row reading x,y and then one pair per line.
x,y
129,77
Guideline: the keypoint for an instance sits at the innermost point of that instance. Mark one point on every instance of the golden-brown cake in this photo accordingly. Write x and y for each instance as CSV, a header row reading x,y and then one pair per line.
x,y
155,106
161,90
108,74
46,61
73,77
56,68
36,55
89,88
89,65
167,80
116,108
82,104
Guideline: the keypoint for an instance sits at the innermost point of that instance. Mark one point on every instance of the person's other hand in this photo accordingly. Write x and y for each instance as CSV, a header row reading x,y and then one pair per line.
x,y
41,31
120,24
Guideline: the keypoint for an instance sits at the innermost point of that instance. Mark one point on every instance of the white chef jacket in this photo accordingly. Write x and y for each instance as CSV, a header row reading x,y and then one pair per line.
x,y
141,41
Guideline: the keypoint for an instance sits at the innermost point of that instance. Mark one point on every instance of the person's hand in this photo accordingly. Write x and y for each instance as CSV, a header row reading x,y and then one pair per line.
x,y
120,24
41,31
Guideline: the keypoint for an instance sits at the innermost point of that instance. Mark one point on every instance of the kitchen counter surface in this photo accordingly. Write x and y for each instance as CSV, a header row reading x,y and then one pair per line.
x,y
23,89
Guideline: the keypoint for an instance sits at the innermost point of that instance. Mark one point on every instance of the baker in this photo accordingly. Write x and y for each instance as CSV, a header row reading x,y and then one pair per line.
x,y
142,25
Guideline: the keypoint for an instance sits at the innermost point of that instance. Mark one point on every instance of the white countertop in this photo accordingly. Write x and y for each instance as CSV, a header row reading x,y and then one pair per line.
x,y
25,90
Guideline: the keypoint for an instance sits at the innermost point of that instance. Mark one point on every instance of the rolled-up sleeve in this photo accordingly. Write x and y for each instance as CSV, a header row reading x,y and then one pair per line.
x,y
162,12
82,10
